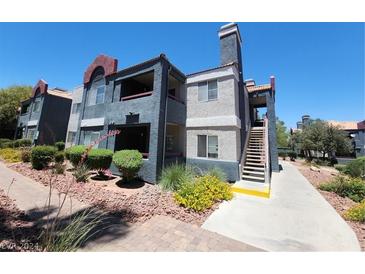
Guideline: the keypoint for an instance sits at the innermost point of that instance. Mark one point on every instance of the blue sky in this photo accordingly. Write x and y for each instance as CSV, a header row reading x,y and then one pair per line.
x,y
319,67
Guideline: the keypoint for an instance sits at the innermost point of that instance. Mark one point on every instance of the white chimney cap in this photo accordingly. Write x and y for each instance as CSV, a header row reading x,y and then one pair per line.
x,y
229,29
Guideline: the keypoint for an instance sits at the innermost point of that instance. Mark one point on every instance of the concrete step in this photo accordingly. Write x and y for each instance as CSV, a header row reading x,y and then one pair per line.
x,y
255,149
254,178
253,168
253,156
261,173
248,163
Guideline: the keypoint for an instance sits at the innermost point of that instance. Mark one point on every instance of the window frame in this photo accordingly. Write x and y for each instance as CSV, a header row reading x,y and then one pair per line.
x,y
91,133
206,84
37,102
96,95
207,136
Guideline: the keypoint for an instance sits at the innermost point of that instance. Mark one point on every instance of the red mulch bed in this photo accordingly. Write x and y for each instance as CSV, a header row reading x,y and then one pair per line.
x,y
341,204
138,207
17,233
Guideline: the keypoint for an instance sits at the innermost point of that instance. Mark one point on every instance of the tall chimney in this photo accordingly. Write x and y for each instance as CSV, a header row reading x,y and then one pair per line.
x,y
230,45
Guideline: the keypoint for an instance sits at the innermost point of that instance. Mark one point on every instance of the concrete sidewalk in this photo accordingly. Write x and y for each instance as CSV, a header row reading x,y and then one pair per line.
x,y
32,197
295,218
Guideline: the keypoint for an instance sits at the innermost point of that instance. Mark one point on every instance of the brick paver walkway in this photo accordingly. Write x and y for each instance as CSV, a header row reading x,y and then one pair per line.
x,y
162,233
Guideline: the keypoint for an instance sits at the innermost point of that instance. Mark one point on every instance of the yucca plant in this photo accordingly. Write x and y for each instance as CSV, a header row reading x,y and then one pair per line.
x,y
80,228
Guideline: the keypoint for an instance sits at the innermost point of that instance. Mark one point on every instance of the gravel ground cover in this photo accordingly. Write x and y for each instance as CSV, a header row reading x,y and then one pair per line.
x,y
139,206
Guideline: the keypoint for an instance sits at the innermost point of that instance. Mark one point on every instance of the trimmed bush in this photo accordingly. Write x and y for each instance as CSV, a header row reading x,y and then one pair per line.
x,y
5,143
356,168
22,143
59,157
75,153
218,173
128,162
292,155
60,146
356,213
354,188
203,193
173,176
99,158
283,155
10,155
25,154
41,156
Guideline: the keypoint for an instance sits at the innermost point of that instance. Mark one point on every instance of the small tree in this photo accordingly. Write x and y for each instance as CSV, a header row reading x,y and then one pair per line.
x,y
282,134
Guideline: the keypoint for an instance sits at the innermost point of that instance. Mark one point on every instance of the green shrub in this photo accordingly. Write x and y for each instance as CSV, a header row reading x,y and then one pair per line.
x,y
99,158
22,143
340,168
75,154
203,193
173,176
60,146
59,157
218,173
41,156
25,154
128,162
283,155
356,168
292,155
354,188
10,155
6,143
81,173
356,213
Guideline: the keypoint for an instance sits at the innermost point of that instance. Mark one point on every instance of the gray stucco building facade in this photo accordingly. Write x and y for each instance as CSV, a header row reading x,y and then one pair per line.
x,y
203,119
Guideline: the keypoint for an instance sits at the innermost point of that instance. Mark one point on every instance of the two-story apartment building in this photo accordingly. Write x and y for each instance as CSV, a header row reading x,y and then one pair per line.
x,y
205,119
44,116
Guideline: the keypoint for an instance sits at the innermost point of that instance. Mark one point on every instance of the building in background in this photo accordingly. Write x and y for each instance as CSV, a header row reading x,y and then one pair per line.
x,y
44,116
74,116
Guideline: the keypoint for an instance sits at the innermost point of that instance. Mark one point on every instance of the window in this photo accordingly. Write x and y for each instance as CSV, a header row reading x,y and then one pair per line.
x,y
76,108
207,91
71,137
209,146
100,95
90,137
37,106
31,133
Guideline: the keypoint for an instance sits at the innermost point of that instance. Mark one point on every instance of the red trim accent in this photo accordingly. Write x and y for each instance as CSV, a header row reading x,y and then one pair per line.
x,y
143,94
145,154
176,99
109,65
42,86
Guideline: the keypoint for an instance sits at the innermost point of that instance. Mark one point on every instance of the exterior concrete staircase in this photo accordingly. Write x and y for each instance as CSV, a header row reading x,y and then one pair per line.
x,y
254,165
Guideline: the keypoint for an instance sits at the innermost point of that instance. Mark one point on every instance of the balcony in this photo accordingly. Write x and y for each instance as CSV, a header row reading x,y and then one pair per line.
x,y
137,86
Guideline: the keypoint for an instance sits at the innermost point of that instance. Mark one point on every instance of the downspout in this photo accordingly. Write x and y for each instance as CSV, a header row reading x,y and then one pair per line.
x,y
164,133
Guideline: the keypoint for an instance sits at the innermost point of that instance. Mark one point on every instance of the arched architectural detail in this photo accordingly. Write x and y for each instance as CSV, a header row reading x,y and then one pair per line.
x,y
42,86
109,65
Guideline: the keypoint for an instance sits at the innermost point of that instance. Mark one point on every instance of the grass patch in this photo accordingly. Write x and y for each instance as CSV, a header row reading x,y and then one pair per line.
x,y
175,175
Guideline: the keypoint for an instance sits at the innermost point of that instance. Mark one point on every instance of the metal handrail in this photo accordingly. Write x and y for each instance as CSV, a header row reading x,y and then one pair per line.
x,y
244,152
266,142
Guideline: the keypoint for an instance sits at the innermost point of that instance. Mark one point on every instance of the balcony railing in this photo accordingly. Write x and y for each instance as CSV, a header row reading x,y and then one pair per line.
x,y
176,99
135,96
